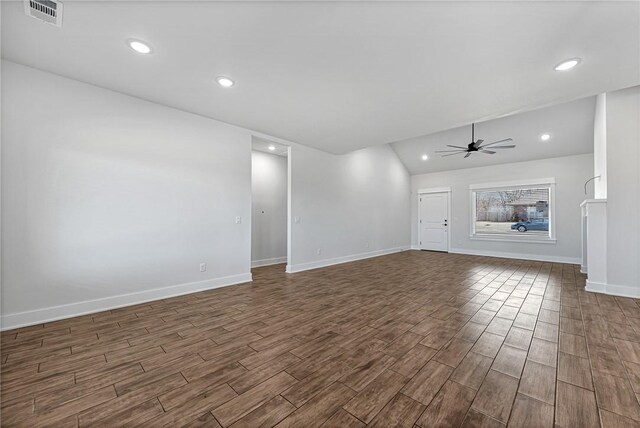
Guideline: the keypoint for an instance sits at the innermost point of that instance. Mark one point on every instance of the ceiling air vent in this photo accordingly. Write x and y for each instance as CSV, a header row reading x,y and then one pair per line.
x,y
49,11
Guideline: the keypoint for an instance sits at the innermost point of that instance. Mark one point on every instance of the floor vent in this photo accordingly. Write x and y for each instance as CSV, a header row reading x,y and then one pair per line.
x,y
49,11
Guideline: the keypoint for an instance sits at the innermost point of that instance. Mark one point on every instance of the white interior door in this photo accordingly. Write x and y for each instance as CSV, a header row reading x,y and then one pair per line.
x,y
434,221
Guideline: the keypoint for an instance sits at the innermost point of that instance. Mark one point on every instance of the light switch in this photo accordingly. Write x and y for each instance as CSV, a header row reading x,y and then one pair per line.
x,y
238,219
296,219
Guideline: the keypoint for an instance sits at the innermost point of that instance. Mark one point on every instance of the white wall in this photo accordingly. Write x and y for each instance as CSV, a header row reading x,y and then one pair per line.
x,y
623,189
349,206
600,148
570,173
269,209
109,200
105,195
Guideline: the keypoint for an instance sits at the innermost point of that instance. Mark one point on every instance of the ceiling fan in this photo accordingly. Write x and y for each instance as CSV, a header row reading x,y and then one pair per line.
x,y
476,146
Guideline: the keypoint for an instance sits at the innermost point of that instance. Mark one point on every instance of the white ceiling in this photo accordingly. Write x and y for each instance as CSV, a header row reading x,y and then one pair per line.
x,y
339,76
570,126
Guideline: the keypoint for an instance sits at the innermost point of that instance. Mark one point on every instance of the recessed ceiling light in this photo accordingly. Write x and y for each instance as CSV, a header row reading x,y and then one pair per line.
x,y
138,46
568,64
545,137
225,82
271,147
425,157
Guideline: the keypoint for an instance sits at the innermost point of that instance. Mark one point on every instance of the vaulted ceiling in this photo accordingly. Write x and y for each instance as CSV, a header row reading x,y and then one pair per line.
x,y
568,125
339,76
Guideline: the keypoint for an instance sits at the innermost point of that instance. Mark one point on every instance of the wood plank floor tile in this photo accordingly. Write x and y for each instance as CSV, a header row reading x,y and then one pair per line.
x,y
427,382
267,415
529,412
320,408
499,326
185,393
612,420
369,401
205,420
606,360
308,387
343,419
488,344
407,339
575,407
574,370
403,344
475,419
574,345
359,377
191,409
472,370
449,407
414,360
510,361
245,403
401,412
453,352
616,395
495,396
543,352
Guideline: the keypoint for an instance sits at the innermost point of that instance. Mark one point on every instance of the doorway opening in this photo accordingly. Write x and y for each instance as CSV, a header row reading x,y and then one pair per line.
x,y
433,219
269,203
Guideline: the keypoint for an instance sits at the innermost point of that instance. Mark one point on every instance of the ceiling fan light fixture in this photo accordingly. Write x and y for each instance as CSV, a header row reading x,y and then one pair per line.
x,y
567,64
478,146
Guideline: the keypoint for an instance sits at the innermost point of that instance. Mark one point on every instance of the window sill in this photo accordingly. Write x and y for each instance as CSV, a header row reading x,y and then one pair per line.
x,y
512,239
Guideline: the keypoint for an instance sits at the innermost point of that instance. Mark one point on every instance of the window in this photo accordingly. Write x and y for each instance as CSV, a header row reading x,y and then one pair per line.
x,y
514,211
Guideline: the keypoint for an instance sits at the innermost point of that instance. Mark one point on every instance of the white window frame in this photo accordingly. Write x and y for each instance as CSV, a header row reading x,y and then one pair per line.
x,y
549,183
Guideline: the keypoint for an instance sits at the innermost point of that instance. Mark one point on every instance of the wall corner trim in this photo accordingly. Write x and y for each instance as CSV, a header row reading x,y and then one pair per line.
x,y
519,256
54,313
345,259
613,290
268,262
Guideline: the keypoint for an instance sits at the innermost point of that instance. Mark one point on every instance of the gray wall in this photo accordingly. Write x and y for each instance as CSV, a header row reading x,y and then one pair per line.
x,y
623,187
106,195
348,206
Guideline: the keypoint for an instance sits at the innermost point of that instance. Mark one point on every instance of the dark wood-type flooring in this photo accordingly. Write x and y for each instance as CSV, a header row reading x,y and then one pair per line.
x,y
411,339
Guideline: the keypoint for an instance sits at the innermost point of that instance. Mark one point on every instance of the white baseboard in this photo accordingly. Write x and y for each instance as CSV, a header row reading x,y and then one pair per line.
x,y
583,269
38,316
521,256
268,262
414,247
339,260
611,289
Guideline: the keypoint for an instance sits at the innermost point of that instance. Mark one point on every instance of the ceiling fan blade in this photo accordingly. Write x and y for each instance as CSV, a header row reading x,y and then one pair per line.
x,y
451,154
502,147
450,151
477,143
457,147
499,141
467,155
487,151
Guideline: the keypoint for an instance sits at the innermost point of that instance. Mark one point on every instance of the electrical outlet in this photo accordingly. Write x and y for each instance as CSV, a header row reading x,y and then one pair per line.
x,y
319,251
296,219
203,267
238,219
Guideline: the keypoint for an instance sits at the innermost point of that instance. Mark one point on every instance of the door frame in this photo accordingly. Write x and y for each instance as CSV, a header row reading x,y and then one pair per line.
x,y
447,191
